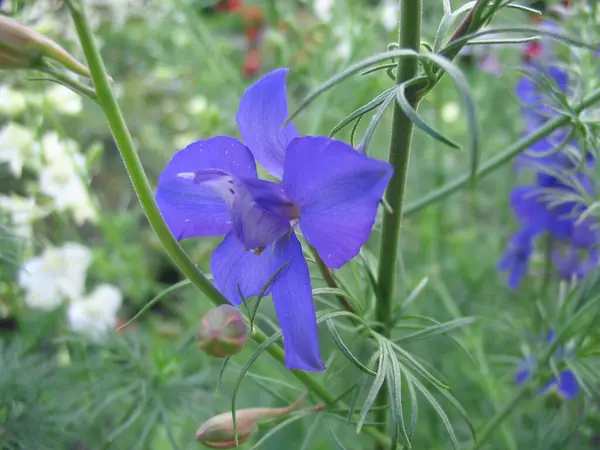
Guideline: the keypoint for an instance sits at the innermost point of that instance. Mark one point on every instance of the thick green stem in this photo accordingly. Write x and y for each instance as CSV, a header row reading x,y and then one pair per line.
x,y
145,195
501,158
400,142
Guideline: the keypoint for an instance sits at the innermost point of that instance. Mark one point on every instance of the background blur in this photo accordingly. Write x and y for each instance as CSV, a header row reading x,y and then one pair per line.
x,y
179,70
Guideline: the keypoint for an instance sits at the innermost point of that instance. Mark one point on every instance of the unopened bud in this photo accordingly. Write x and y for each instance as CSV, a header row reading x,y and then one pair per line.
x,y
223,332
22,47
218,432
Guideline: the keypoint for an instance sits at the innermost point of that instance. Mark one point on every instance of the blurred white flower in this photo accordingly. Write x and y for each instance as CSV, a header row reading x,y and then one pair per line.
x,y
57,274
22,211
197,105
12,103
63,100
96,313
450,112
322,9
389,14
62,178
16,143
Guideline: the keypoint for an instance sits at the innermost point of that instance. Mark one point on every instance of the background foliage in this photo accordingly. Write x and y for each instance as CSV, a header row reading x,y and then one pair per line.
x,y
179,69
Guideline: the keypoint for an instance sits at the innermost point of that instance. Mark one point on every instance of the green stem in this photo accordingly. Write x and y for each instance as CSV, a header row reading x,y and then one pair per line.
x,y
519,397
145,195
501,158
400,143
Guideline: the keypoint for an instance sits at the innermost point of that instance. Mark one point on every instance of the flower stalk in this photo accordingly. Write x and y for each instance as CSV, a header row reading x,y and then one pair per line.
x,y
145,195
399,155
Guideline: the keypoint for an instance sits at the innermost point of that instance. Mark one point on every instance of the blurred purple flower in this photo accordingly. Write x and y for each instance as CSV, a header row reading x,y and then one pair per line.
x,y
330,190
556,175
566,384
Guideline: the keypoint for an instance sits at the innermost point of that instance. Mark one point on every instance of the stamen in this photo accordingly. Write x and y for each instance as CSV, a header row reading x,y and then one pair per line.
x,y
258,251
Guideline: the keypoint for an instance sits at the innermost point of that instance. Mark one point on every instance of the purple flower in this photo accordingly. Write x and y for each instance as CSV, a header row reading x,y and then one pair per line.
x,y
565,383
516,257
327,188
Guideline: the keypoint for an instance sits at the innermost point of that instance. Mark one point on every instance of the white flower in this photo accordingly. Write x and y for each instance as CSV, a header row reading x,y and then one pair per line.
x,y
23,212
450,112
63,100
389,14
12,103
323,9
16,143
61,179
57,274
96,314
197,105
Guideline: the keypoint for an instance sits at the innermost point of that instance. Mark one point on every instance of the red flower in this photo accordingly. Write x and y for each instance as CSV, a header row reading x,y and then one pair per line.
x,y
251,63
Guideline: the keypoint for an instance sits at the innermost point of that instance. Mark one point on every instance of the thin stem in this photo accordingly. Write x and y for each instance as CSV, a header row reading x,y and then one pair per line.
x,y
67,81
328,277
144,192
131,159
501,158
400,143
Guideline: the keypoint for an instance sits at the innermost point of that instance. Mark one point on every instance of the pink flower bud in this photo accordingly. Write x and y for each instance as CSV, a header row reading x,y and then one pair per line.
x,y
217,432
223,332
21,47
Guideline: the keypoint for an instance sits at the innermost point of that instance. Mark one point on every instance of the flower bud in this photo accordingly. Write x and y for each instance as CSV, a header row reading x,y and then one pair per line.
x,y
217,432
223,332
22,47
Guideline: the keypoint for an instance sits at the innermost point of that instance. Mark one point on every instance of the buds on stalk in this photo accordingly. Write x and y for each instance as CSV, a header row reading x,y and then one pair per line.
x,y
223,332
21,47
217,432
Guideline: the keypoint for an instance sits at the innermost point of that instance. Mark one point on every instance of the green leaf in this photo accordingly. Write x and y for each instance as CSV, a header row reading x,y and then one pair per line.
x,y
152,302
366,140
412,114
263,291
277,428
359,112
336,441
259,351
346,351
464,92
436,329
400,53
394,384
375,388
439,410
418,367
414,407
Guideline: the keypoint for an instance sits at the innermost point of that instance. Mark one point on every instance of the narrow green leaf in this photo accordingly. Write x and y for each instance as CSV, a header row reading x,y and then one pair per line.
x,y
354,128
440,411
412,114
359,112
394,384
221,372
448,396
277,428
336,441
417,366
400,53
464,92
381,67
346,351
263,291
503,41
152,302
259,351
374,390
561,37
436,329
414,407
366,140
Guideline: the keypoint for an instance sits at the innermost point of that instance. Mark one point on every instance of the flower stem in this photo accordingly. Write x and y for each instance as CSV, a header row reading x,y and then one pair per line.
x,y
145,195
400,142
501,158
